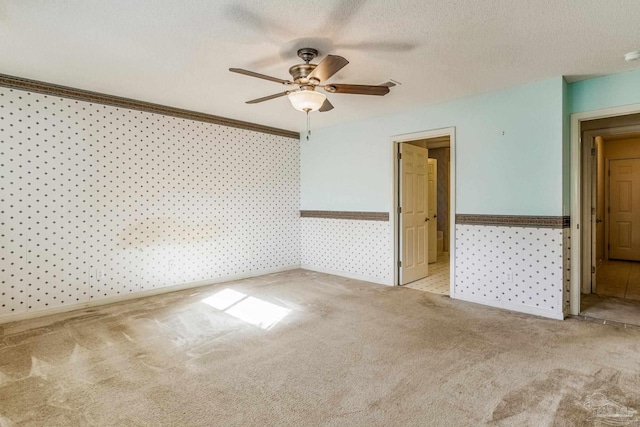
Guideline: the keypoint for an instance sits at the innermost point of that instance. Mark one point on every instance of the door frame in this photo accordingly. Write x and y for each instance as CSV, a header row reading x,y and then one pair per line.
x,y
394,217
576,196
588,164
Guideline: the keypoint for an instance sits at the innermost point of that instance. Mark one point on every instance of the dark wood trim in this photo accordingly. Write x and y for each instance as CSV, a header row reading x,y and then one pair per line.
x,y
132,104
514,220
364,216
464,219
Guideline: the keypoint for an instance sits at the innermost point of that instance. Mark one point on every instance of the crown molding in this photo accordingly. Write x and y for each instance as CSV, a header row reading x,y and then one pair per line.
x,y
132,104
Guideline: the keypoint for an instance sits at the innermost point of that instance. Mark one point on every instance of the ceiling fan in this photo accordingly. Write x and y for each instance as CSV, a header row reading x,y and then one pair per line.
x,y
309,77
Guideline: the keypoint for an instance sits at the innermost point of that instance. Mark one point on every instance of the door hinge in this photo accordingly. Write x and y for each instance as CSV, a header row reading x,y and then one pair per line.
x,y
609,172
399,209
399,156
593,151
593,270
399,263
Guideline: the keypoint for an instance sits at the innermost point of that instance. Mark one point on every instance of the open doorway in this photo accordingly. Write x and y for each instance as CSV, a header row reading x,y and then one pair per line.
x,y
610,187
423,192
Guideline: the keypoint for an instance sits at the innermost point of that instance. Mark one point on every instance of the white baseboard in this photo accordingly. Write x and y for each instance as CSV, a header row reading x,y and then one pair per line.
x,y
347,275
520,308
135,295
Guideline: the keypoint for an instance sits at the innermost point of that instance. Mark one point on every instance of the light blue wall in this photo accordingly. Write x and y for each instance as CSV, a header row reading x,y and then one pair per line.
x,y
614,90
605,92
509,154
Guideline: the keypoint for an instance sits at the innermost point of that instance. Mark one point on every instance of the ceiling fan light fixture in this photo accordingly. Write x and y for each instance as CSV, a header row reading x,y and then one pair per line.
x,y
307,100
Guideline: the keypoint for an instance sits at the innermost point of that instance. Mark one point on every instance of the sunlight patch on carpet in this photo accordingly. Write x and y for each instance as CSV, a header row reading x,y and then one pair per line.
x,y
252,310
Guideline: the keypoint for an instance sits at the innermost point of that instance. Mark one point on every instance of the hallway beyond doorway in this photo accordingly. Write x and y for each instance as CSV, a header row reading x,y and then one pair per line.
x,y
620,279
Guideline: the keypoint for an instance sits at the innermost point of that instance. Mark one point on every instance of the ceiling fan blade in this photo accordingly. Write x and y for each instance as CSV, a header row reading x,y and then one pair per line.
x,y
266,98
258,75
326,106
357,89
328,67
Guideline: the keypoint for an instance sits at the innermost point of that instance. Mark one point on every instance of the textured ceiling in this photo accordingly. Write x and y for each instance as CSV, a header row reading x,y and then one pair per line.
x,y
177,53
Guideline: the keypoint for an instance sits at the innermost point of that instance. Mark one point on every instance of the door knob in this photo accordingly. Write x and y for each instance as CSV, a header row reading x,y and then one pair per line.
x,y
426,219
598,221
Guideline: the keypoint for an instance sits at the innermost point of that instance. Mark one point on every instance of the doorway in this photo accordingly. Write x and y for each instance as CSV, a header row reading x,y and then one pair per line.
x,y
424,220
610,190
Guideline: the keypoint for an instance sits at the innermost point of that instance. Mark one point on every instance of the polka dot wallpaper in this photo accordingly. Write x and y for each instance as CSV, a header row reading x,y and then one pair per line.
x,y
566,247
99,201
360,248
513,265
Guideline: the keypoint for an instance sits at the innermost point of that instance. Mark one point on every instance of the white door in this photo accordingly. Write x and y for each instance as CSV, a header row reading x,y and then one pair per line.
x,y
624,206
433,210
414,241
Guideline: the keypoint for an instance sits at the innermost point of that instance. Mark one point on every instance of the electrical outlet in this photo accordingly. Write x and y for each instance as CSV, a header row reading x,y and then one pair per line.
x,y
97,274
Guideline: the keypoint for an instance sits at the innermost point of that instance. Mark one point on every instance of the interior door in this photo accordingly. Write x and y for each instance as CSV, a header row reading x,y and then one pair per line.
x,y
433,210
624,207
414,197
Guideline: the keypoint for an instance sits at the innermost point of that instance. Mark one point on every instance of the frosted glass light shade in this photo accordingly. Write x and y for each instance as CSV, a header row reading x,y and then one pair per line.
x,y
306,100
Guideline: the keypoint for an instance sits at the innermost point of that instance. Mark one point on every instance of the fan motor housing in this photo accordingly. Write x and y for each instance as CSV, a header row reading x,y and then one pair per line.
x,y
301,71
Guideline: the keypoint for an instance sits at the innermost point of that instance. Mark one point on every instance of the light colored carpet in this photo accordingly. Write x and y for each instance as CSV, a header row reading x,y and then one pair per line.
x,y
327,351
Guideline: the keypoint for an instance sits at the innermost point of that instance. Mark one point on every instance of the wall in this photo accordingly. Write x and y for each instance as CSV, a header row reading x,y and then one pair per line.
x,y
621,148
509,161
605,92
357,249
519,268
101,202
348,167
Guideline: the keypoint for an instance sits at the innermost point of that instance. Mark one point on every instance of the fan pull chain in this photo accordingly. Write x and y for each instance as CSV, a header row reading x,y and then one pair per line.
x,y
308,125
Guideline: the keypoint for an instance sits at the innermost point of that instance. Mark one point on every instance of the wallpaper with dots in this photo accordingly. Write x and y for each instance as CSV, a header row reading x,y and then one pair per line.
x,y
566,245
99,201
358,248
514,265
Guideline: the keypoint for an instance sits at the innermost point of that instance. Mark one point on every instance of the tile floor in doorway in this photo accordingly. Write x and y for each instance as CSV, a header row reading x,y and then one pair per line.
x,y
620,279
437,282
